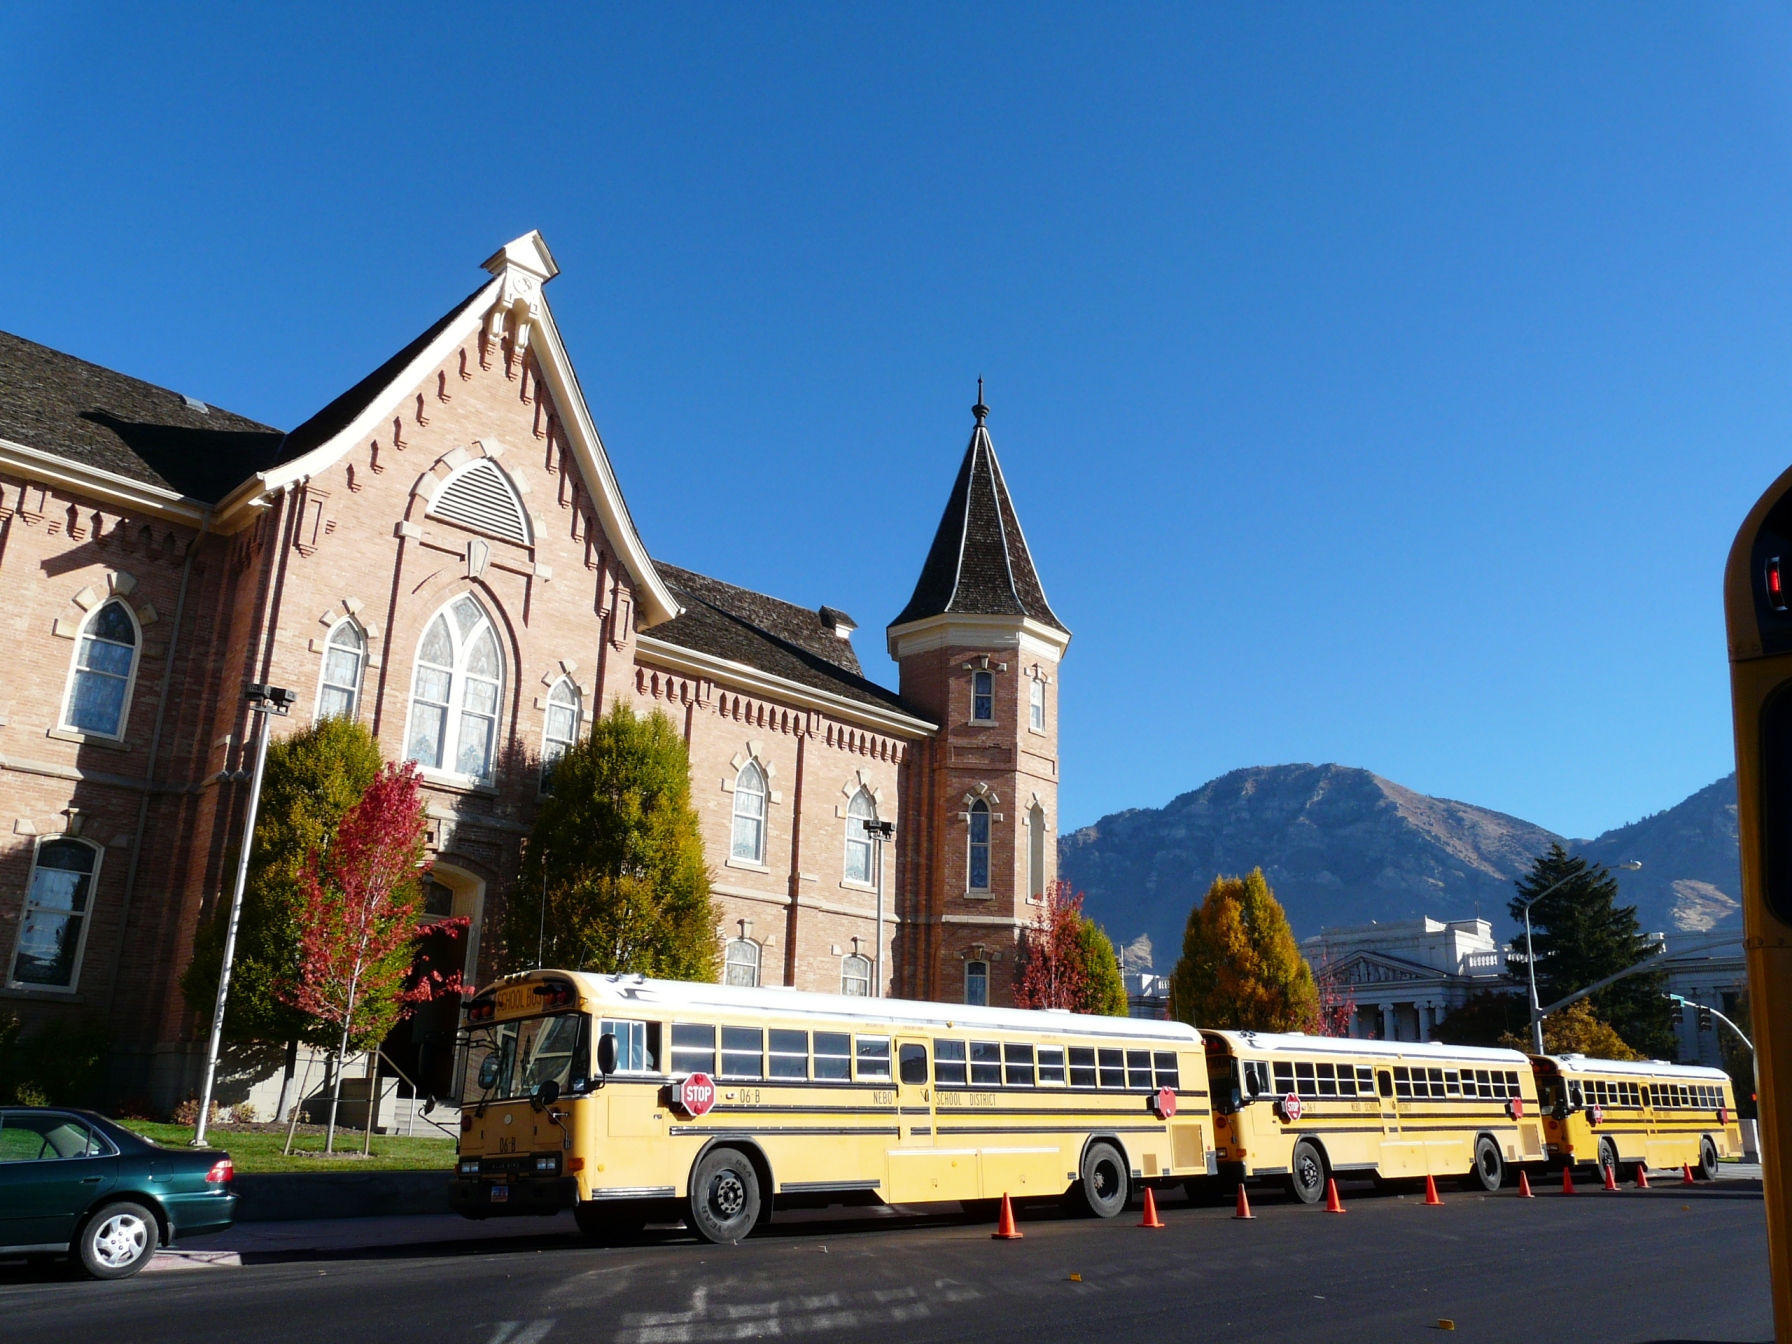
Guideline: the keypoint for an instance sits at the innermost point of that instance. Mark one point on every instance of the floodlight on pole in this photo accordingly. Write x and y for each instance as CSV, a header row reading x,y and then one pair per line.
x,y
263,700
879,832
1530,956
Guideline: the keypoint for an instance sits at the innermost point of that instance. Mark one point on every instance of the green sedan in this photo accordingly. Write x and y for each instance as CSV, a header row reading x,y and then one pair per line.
x,y
72,1182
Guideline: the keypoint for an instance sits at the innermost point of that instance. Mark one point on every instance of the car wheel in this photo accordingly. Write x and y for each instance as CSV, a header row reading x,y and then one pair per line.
x,y
1707,1168
1306,1173
1103,1185
1490,1168
609,1222
724,1198
117,1241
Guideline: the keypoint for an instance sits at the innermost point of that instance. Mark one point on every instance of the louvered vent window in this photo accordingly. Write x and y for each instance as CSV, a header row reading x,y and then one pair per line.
x,y
480,495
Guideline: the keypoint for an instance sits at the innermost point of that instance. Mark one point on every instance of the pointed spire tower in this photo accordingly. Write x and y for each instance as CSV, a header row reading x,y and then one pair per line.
x,y
978,646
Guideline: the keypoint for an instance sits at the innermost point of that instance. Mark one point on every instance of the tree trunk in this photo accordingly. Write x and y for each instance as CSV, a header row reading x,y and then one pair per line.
x,y
348,1017
293,1125
292,1065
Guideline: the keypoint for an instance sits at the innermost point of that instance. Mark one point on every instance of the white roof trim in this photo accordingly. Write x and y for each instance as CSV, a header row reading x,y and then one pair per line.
x,y
52,469
1575,1065
1272,1042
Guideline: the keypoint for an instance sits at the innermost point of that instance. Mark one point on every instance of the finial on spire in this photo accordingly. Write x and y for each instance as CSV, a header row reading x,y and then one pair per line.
x,y
980,410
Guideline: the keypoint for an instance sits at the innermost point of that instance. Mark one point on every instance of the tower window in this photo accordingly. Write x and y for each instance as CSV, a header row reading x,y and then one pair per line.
x,y
749,814
1036,704
1036,850
977,877
105,660
976,982
983,697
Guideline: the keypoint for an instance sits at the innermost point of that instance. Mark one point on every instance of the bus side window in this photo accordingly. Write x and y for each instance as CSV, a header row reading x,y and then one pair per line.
x,y
1384,1083
1511,1083
693,1048
1082,1066
1452,1084
1303,1080
1284,1078
986,1064
1163,1062
833,1056
874,1059
1113,1068
1051,1064
1403,1081
912,1061
1017,1064
790,1053
743,1052
1256,1079
1346,1080
1138,1070
1573,1095
948,1063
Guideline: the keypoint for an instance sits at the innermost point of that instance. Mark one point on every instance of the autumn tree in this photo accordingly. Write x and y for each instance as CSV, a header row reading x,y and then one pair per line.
x,y
356,919
1574,1030
1581,936
1240,967
1067,961
618,853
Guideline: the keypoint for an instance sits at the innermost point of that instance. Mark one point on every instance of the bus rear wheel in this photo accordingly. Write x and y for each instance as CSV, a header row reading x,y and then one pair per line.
x,y
1102,1187
1490,1167
1306,1173
724,1198
1707,1168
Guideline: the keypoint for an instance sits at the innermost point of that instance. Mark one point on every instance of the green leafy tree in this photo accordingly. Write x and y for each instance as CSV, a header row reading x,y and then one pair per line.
x,y
618,849
1240,966
1104,988
312,780
1581,936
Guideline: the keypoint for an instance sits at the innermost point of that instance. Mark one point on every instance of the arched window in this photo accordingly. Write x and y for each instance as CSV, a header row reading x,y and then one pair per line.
x,y
55,916
983,697
1036,850
749,814
855,976
478,494
345,653
740,965
976,982
455,692
858,844
105,662
562,728
1036,704
977,876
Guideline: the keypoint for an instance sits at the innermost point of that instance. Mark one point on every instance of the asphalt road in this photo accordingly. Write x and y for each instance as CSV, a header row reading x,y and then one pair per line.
x,y
1668,1264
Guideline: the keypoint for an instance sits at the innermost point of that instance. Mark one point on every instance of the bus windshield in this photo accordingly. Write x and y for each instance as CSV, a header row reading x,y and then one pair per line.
x,y
513,1059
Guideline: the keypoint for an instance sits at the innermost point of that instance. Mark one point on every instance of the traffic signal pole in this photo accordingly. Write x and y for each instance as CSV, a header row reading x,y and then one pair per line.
x,y
1758,620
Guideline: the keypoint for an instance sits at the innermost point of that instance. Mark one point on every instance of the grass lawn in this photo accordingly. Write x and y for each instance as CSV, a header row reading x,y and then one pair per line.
x,y
257,1148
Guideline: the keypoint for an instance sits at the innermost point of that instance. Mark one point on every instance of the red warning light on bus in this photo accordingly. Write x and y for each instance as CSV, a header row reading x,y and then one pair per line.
x,y
1776,593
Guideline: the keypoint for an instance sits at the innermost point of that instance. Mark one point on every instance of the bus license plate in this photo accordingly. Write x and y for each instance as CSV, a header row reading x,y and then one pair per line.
x,y
500,1194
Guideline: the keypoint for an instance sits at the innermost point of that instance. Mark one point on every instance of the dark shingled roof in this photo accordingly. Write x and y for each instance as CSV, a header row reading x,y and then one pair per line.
x,y
979,562
777,637
59,404
338,415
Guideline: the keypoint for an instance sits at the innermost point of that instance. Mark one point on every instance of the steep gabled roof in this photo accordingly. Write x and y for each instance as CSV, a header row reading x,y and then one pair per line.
x,y
979,563
83,413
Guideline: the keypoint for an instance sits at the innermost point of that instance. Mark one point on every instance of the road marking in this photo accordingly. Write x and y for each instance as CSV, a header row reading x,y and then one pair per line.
x,y
822,1313
532,1333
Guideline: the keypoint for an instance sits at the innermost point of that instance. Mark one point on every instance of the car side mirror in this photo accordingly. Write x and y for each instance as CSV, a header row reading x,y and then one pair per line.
x,y
606,1054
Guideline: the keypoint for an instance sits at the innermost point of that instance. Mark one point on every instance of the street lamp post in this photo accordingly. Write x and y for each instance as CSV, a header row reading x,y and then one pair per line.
x,y
879,831
1530,956
263,700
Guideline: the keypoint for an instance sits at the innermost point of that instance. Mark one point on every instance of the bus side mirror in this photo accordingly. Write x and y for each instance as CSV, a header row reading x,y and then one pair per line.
x,y
547,1094
606,1054
488,1072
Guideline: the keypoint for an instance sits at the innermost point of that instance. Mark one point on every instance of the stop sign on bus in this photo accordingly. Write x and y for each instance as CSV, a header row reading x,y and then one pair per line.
x,y
694,1094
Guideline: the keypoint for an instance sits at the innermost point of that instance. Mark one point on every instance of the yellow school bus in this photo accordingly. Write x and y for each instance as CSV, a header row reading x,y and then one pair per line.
x,y
1305,1108
628,1099
1617,1113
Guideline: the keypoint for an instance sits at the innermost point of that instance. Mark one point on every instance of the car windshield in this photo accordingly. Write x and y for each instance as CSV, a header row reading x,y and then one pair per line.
x,y
513,1059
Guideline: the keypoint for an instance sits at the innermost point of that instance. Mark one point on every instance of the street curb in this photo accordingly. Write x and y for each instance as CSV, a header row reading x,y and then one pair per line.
x,y
277,1197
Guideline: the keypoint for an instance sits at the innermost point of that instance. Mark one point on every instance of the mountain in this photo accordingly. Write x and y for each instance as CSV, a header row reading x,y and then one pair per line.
x,y
1344,846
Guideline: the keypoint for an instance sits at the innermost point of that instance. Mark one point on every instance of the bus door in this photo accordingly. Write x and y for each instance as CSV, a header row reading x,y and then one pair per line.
x,y
916,1163
1401,1154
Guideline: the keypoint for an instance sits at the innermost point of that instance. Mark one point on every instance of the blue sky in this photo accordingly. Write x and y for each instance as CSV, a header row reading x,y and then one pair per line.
x,y
1378,384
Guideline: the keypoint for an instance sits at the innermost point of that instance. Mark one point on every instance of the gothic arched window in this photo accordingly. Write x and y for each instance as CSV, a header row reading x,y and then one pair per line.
x,y
740,965
983,697
749,814
976,982
855,976
977,873
858,842
105,666
48,955
455,691
1035,850
345,654
561,729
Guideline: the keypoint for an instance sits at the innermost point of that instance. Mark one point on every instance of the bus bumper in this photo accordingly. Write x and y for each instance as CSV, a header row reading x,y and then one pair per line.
x,y
540,1196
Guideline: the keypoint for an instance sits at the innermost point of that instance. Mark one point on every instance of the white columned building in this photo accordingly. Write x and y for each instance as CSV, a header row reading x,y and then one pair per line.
x,y
1406,976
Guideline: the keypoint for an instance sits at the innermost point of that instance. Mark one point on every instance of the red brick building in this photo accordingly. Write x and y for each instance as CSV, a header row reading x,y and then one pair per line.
x,y
444,553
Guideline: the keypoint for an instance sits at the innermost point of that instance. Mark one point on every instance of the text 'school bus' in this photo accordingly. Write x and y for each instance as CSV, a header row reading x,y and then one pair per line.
x,y
1308,1107
1618,1113
624,1098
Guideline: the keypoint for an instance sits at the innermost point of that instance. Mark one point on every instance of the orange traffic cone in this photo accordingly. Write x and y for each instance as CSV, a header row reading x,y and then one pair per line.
x,y
1005,1228
1611,1177
1431,1190
1332,1203
1244,1205
1567,1180
1642,1176
1150,1219
1686,1177
1524,1186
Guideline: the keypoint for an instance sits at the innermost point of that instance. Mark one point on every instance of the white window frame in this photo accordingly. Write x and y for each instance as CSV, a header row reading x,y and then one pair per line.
x,y
323,677
763,792
978,678
636,1032
455,704
85,915
744,946
1036,704
130,681
850,974
979,808
553,748
982,968
858,841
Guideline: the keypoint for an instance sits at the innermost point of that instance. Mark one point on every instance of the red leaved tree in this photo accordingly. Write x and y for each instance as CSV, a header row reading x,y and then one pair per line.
x,y
1337,1001
358,903
1055,973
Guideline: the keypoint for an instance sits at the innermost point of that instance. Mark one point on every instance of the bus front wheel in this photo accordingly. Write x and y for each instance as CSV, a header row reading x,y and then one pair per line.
x,y
724,1199
1707,1168
1306,1173
1102,1186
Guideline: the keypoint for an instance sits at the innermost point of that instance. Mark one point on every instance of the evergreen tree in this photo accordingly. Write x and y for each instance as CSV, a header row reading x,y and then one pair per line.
x,y
1582,935
1240,966
619,849
313,779
1488,1018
